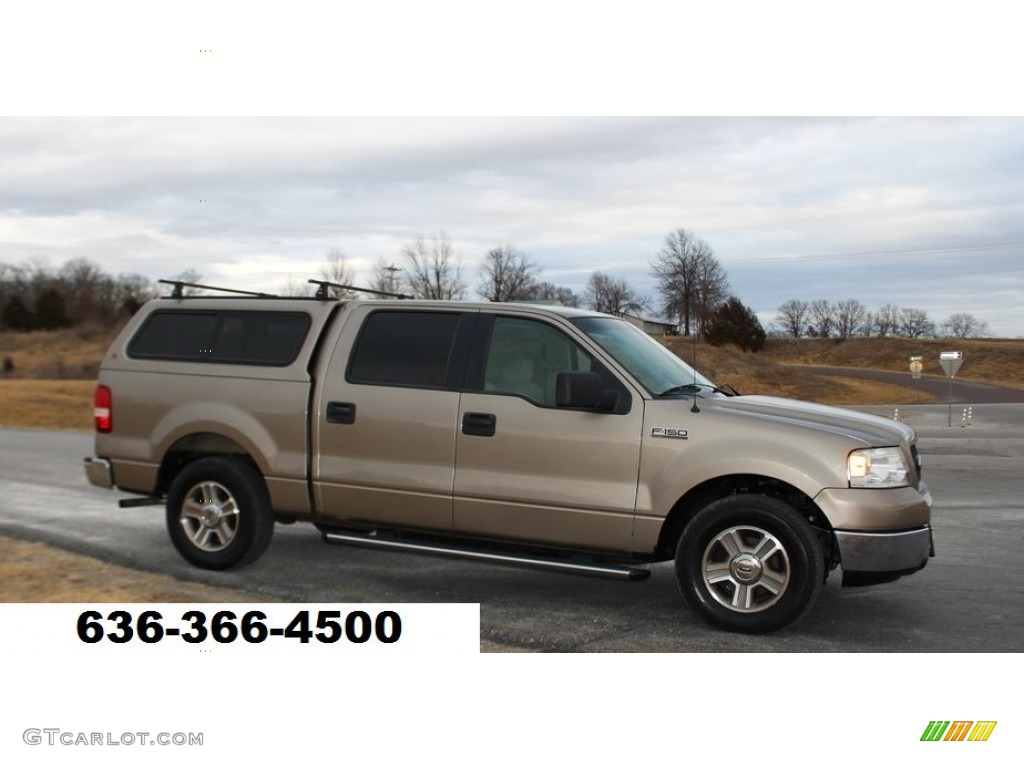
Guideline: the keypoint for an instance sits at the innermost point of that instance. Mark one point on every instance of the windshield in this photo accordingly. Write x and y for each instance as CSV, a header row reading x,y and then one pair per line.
x,y
655,367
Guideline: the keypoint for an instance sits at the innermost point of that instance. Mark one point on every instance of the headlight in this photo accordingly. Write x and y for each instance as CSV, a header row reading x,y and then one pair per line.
x,y
877,468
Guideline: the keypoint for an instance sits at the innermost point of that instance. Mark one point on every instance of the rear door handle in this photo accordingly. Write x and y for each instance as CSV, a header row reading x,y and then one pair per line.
x,y
341,413
479,424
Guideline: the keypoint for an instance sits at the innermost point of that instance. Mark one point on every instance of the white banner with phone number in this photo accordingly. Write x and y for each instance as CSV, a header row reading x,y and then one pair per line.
x,y
110,684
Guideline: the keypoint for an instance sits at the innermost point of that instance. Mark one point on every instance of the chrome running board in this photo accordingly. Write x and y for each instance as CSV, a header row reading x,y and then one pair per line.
x,y
372,540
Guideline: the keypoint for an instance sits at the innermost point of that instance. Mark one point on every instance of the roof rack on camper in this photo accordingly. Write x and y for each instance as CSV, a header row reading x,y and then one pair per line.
x,y
322,292
179,285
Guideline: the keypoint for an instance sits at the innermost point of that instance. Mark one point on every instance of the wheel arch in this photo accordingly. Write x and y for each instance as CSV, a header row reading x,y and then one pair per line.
x,y
703,494
190,448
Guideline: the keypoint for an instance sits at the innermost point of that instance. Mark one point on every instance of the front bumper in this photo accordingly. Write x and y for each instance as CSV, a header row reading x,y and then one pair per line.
x,y
99,472
872,557
880,534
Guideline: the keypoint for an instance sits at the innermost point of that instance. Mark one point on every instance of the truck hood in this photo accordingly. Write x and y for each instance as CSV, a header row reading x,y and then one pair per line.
x,y
871,430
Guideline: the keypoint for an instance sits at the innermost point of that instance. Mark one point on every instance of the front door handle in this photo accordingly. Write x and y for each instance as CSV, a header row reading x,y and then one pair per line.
x,y
479,424
341,413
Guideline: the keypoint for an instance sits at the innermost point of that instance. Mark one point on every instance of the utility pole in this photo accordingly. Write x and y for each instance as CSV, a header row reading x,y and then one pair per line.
x,y
391,269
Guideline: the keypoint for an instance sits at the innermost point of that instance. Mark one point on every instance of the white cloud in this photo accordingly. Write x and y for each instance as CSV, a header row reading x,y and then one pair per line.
x,y
877,209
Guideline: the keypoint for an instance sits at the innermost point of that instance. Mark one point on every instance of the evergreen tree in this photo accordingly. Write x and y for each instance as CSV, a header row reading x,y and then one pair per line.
x,y
16,315
50,311
734,323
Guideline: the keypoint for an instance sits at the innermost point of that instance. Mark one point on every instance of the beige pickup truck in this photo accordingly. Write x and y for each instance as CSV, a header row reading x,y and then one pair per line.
x,y
546,437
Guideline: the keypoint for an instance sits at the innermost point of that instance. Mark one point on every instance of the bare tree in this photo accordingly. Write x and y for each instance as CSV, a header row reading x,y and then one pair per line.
x,y
108,298
823,317
963,325
507,275
870,323
712,288
133,290
614,296
189,276
336,269
792,318
886,321
691,281
914,323
850,316
433,271
80,282
38,276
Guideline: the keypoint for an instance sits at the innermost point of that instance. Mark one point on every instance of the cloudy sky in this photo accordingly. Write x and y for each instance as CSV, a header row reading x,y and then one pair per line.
x,y
921,212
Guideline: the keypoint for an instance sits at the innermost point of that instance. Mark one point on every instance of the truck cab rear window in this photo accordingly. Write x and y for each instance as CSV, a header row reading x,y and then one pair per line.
x,y
406,349
246,338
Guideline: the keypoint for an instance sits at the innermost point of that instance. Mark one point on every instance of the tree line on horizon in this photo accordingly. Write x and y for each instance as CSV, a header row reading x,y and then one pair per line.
x,y
36,296
692,287
849,318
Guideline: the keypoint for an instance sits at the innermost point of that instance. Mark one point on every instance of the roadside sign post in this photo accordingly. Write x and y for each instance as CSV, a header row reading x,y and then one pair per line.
x,y
951,362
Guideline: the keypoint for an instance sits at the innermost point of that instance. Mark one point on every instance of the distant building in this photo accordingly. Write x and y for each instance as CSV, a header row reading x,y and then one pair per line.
x,y
655,327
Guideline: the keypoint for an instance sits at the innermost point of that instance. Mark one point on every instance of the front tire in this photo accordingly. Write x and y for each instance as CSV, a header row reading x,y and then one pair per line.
x,y
218,513
749,563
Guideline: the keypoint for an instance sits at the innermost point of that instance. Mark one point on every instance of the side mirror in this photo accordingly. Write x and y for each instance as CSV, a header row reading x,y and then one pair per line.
x,y
583,389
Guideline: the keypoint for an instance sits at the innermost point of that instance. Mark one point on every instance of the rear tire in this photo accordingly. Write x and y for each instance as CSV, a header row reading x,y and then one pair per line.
x,y
749,563
218,513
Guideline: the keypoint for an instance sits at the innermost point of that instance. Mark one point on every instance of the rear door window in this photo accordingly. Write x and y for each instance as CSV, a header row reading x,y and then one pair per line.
x,y
405,349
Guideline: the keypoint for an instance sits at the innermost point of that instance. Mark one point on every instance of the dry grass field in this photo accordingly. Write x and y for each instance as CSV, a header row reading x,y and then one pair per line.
x,y
48,404
70,353
995,361
52,378
778,371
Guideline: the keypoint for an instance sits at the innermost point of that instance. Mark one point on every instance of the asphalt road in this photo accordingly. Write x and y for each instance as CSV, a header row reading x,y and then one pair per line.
x,y
964,392
969,598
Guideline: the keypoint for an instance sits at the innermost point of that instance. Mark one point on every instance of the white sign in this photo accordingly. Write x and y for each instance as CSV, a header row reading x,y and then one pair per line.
x,y
951,362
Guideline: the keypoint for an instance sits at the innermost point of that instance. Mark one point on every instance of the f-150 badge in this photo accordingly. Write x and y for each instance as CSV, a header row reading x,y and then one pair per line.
x,y
678,434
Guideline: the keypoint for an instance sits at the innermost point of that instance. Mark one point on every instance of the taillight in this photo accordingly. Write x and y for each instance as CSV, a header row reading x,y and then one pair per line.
x,y
102,409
